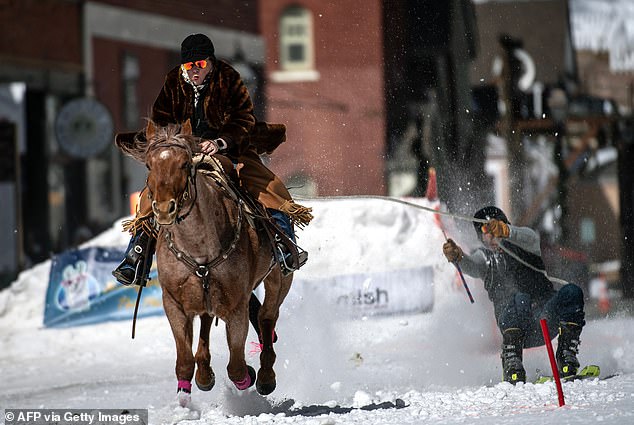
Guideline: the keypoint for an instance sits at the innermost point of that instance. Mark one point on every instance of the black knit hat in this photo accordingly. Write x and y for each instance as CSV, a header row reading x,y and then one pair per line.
x,y
487,213
196,47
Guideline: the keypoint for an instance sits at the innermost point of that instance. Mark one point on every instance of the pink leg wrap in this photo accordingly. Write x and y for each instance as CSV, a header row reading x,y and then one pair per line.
x,y
256,348
185,385
244,384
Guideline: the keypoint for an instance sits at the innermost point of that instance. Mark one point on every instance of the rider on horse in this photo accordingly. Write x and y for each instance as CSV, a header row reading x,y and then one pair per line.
x,y
211,95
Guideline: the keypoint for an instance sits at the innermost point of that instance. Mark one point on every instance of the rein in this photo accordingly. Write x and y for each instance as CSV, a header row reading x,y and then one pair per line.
x,y
191,181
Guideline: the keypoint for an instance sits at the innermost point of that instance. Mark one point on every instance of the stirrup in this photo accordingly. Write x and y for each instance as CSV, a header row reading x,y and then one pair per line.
x,y
125,277
286,258
137,261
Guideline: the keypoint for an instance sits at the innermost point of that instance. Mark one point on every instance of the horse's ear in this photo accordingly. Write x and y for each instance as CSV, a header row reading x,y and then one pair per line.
x,y
187,128
150,130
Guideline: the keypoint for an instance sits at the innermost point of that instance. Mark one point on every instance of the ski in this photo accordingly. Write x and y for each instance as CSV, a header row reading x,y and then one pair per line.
x,y
588,372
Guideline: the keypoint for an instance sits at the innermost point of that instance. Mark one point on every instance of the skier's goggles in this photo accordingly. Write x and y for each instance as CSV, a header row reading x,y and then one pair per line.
x,y
202,64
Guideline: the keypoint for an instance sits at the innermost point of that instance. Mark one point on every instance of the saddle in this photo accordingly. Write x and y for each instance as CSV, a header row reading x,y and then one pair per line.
x,y
220,169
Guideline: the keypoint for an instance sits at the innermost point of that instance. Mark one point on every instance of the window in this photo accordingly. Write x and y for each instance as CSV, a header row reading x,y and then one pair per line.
x,y
588,231
296,39
297,52
130,77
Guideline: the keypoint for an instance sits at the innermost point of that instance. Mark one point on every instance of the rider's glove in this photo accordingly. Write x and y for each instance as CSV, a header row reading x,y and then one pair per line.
x,y
211,147
221,143
452,252
497,228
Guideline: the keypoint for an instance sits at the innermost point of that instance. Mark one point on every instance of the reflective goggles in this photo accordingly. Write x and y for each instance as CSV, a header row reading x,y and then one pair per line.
x,y
202,64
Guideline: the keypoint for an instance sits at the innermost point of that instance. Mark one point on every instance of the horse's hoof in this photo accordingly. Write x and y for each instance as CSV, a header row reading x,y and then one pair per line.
x,y
206,387
184,398
265,383
248,380
265,389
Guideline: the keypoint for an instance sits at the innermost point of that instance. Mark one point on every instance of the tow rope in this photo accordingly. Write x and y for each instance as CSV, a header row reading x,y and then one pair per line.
x,y
445,213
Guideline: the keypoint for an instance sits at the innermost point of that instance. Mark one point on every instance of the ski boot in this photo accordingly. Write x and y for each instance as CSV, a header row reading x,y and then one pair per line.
x,y
512,346
568,348
285,244
135,267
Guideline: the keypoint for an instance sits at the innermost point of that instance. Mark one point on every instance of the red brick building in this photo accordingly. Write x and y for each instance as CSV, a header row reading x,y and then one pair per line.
x,y
318,67
324,68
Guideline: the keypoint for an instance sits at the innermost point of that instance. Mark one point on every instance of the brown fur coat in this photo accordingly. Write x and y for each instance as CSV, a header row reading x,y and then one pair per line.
x,y
227,107
228,112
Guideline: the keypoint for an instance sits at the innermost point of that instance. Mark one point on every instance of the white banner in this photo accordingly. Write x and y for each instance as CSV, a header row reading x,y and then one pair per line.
x,y
368,294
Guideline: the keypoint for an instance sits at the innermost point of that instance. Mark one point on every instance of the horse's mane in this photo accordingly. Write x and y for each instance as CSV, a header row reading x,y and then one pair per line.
x,y
169,134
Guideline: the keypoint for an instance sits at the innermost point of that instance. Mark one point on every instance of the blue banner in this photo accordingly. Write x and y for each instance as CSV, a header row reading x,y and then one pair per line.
x,y
82,290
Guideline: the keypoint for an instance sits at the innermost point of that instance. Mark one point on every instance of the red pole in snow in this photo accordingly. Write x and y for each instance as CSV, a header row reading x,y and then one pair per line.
x,y
553,363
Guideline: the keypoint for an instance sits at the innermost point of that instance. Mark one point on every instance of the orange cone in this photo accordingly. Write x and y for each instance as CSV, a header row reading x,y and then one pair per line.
x,y
604,299
432,195
134,202
432,190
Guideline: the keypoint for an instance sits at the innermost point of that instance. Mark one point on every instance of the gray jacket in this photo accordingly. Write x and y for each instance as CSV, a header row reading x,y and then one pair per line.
x,y
504,276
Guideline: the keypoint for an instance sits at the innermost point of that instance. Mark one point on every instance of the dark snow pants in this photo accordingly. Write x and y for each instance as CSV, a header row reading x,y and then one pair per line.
x,y
565,306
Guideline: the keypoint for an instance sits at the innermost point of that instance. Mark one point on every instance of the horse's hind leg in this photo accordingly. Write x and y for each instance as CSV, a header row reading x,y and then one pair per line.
x,y
266,375
182,329
276,288
242,375
205,377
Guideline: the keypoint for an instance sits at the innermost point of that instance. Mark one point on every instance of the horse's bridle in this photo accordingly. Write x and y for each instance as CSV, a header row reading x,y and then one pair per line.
x,y
200,270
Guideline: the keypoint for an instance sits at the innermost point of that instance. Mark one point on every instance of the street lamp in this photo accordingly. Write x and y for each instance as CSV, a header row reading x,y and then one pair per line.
x,y
248,75
558,105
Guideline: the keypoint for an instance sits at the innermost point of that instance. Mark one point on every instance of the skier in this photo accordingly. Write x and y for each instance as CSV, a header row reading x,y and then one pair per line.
x,y
211,95
511,266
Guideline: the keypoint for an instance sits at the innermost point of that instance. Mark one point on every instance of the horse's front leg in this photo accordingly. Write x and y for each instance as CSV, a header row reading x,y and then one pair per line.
x,y
205,377
276,288
182,329
237,325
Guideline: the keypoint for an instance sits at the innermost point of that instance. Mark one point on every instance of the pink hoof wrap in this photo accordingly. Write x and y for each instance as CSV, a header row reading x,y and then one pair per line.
x,y
184,385
244,384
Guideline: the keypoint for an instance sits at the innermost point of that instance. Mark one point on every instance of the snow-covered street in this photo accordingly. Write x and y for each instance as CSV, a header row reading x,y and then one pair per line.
x,y
439,367
441,364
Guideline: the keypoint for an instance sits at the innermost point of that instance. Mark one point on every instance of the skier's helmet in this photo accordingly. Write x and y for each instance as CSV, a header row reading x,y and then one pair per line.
x,y
487,213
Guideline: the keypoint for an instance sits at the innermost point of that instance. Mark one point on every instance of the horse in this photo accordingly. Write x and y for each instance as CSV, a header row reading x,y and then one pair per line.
x,y
209,261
